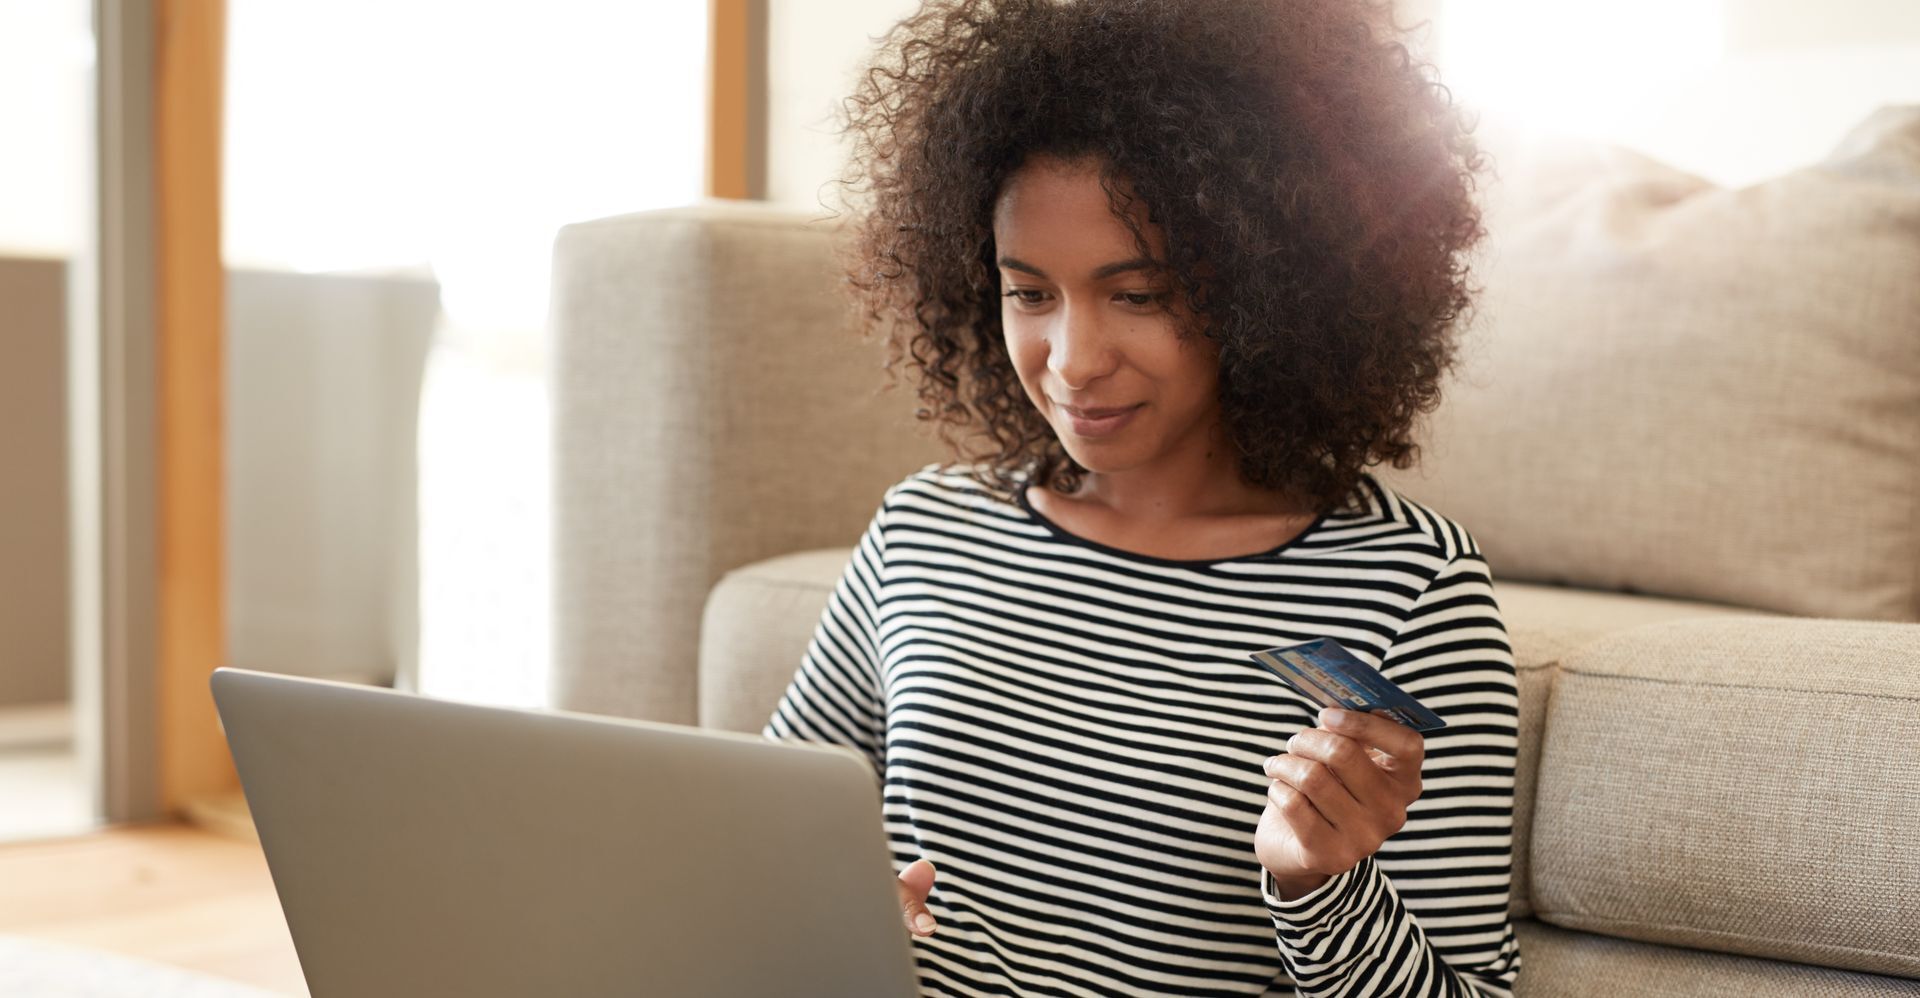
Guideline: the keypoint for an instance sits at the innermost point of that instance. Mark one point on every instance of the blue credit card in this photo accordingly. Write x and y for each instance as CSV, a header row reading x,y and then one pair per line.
x,y
1328,674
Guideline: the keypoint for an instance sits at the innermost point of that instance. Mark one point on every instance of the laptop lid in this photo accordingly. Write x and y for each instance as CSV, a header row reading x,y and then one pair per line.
x,y
423,847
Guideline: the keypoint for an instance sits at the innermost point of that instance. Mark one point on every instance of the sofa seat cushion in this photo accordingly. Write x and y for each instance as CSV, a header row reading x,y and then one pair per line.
x,y
1563,964
1544,625
759,619
1741,784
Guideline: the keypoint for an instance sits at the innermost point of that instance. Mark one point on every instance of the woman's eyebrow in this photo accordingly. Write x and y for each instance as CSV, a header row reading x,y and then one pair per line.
x,y
1100,273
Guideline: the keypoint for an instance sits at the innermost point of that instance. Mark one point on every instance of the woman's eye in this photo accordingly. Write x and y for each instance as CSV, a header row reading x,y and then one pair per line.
x,y
1032,297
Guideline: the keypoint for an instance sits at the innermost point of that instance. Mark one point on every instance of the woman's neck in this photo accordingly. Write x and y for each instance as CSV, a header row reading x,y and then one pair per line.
x,y
1195,484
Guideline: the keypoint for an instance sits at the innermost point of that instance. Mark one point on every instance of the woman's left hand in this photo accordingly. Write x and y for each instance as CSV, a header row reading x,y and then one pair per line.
x,y
1338,792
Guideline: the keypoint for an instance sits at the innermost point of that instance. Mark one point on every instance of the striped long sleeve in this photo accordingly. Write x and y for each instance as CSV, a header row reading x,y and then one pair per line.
x,y
835,695
1074,735
1357,935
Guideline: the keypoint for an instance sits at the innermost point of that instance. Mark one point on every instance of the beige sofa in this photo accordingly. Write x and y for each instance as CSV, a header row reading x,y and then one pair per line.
x,y
1687,438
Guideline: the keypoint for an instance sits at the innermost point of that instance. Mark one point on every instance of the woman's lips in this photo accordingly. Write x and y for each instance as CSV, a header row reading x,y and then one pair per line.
x,y
1098,422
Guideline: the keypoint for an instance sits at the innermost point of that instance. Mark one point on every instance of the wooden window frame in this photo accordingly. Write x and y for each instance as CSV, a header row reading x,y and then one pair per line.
x,y
737,99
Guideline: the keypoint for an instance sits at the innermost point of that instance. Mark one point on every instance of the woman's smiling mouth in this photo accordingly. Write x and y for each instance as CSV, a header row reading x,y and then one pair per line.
x,y
1098,422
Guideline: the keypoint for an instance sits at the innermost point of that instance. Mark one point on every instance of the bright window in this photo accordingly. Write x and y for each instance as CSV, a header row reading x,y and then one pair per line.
x,y
455,138
1733,92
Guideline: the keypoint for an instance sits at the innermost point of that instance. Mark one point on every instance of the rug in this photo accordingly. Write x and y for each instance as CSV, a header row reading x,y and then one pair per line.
x,y
32,968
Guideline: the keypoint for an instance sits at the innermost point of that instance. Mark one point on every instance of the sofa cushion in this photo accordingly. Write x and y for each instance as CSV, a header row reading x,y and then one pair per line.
x,y
758,621
1562,964
1748,785
1544,625
760,618
1670,387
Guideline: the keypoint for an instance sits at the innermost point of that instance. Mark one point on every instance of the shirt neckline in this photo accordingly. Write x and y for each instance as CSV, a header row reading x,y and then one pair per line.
x,y
1020,496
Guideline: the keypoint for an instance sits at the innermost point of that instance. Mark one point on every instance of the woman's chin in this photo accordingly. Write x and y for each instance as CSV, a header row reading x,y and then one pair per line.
x,y
1100,457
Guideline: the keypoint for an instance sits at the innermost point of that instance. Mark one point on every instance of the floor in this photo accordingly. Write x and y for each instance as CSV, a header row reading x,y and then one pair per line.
x,y
171,893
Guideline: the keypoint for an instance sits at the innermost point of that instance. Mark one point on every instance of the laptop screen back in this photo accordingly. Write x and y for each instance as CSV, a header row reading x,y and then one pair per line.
x,y
428,847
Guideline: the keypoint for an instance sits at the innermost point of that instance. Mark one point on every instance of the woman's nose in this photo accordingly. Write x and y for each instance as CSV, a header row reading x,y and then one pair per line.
x,y
1079,353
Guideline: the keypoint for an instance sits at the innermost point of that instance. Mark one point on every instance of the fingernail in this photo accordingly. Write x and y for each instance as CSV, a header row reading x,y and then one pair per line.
x,y
1334,716
923,922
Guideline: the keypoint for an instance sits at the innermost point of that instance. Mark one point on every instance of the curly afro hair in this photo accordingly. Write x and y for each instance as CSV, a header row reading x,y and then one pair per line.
x,y
1314,186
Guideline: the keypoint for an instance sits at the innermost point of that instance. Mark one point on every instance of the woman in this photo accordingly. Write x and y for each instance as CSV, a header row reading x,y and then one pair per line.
x,y
1170,276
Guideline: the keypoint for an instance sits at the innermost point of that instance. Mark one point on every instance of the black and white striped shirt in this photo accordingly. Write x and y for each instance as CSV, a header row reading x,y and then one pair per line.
x,y
1074,734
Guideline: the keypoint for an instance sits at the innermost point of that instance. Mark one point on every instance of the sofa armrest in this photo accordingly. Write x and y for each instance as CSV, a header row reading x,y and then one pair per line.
x,y
711,408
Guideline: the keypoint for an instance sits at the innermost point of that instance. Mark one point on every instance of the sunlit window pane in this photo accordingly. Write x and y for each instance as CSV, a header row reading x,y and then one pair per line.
x,y
441,141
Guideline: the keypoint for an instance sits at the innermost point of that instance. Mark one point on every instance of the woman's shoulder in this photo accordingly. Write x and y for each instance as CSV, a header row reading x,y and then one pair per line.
x,y
1380,514
955,488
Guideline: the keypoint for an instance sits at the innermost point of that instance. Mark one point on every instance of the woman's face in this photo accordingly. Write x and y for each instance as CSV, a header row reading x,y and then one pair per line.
x,y
1088,323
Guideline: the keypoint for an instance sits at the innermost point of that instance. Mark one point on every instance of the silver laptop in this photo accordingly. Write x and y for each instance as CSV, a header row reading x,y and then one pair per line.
x,y
425,847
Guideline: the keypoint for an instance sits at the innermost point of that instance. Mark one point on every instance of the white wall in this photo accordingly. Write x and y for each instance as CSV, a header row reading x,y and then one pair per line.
x,y
812,63
1734,90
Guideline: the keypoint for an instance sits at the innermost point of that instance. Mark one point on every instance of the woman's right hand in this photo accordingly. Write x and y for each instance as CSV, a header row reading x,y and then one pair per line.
x,y
916,882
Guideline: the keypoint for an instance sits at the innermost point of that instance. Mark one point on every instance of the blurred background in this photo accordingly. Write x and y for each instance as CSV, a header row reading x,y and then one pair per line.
x,y
274,281
389,179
